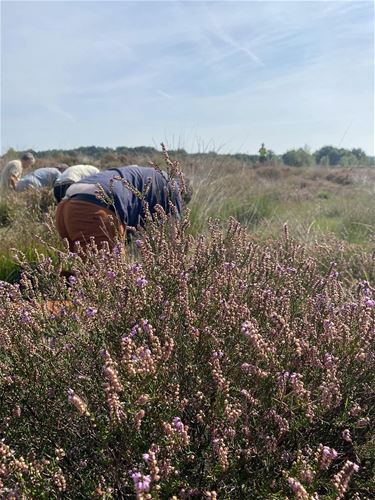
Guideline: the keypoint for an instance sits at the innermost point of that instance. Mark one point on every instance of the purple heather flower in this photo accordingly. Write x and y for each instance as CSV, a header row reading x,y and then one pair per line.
x,y
72,280
135,268
138,243
133,331
146,457
369,302
25,317
105,354
229,265
178,424
91,312
141,282
117,249
111,275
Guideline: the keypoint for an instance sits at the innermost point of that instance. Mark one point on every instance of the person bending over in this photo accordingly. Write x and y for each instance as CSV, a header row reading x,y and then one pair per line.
x,y
72,174
40,178
102,205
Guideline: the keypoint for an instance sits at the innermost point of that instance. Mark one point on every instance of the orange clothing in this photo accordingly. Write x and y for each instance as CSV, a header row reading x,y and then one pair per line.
x,y
79,220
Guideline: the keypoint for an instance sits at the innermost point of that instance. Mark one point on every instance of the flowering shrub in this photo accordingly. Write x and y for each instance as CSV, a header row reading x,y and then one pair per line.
x,y
208,367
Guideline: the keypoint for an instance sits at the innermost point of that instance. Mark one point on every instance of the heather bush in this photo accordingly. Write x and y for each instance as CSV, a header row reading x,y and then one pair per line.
x,y
207,367
190,365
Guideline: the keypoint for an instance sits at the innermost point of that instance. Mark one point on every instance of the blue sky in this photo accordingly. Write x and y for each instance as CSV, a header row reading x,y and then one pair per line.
x,y
221,76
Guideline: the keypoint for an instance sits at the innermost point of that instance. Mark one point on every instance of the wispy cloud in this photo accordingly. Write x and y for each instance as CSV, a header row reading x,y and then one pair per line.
x,y
164,94
227,38
54,108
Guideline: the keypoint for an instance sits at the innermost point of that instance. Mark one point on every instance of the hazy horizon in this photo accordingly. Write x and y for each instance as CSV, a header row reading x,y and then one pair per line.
x,y
220,76
203,149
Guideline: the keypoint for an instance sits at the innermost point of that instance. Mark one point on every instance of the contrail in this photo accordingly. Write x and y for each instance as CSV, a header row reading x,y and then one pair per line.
x,y
346,131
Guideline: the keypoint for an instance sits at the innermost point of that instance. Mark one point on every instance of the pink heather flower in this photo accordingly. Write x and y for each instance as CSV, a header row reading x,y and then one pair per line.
x,y
298,490
325,456
143,399
77,402
342,478
363,422
346,436
91,312
146,457
285,375
328,360
229,265
141,483
247,328
329,452
217,354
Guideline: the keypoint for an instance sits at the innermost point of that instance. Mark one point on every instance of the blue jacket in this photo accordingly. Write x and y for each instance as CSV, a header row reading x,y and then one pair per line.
x,y
127,205
41,178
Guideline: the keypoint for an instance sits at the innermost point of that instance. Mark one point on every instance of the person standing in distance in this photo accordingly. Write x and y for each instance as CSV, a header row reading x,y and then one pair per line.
x,y
262,154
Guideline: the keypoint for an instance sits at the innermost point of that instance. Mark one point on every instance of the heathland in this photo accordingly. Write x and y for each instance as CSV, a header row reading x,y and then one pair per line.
x,y
230,355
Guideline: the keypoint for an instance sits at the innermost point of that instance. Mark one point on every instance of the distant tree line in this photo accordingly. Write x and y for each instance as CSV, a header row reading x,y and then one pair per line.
x,y
325,156
329,156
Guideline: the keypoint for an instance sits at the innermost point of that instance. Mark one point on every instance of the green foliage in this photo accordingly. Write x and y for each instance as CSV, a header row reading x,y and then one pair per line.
x,y
250,211
5,213
330,155
297,158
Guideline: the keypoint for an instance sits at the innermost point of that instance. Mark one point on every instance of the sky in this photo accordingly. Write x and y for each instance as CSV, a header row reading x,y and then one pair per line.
x,y
203,76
